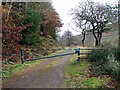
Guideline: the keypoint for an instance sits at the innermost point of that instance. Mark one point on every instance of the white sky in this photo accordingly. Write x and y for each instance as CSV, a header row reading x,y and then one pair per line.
x,y
63,7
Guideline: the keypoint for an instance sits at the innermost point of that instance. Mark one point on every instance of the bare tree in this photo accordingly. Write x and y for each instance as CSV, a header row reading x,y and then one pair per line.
x,y
94,17
61,39
67,38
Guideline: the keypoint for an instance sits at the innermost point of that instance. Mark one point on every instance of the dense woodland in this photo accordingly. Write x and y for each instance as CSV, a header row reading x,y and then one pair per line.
x,y
23,23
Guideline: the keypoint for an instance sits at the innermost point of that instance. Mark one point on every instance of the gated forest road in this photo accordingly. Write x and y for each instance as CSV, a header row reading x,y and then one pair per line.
x,y
47,74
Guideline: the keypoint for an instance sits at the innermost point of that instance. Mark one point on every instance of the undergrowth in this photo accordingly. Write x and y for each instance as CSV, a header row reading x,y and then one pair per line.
x,y
106,62
78,75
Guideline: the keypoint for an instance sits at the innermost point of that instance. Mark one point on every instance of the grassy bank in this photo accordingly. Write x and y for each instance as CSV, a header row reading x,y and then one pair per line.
x,y
107,62
78,75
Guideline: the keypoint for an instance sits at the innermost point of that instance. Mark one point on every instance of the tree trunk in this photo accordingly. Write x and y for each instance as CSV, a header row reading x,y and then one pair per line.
x,y
96,39
83,38
96,43
68,42
100,38
9,12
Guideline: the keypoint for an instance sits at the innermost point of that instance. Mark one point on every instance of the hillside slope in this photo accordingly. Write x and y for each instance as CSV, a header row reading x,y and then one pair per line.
x,y
110,36
47,42
89,39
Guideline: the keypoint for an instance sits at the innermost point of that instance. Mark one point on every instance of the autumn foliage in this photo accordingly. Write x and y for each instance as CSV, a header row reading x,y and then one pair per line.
x,y
54,18
11,36
22,24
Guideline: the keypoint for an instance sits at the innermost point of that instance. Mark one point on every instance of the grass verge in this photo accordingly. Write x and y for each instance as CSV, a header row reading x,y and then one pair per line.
x,y
77,75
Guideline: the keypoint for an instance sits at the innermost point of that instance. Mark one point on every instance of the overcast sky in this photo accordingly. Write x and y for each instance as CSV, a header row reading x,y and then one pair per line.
x,y
63,7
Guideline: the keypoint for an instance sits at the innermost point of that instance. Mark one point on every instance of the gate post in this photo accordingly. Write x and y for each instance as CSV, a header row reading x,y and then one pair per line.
x,y
79,55
22,56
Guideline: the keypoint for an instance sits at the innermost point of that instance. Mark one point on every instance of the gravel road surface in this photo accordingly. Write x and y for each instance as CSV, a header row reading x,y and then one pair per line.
x,y
40,76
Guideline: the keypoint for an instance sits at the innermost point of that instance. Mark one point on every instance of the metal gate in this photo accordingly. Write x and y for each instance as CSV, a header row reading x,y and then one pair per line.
x,y
76,51
23,60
